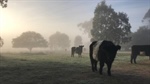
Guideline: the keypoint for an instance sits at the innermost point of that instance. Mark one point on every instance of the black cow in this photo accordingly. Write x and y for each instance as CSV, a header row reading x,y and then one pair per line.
x,y
77,50
103,52
136,49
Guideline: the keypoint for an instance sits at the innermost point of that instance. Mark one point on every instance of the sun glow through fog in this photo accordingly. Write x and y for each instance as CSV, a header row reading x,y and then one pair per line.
x,y
2,20
6,21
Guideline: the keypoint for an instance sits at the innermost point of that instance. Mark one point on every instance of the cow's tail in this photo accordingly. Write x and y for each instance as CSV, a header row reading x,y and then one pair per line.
x,y
93,62
91,49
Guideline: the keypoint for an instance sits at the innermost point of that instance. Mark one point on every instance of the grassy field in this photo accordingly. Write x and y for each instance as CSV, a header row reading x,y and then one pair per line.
x,y
62,69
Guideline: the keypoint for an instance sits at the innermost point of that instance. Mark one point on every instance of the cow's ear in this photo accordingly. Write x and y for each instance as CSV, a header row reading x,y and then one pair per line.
x,y
118,47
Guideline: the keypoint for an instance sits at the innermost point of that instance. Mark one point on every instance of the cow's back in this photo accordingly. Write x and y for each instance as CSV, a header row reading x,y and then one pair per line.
x,y
136,49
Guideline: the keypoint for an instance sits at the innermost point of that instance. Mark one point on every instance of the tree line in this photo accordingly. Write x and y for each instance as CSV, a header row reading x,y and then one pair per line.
x,y
108,24
31,39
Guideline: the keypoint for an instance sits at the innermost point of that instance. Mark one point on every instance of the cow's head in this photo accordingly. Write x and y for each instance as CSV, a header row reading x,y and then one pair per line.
x,y
81,46
113,51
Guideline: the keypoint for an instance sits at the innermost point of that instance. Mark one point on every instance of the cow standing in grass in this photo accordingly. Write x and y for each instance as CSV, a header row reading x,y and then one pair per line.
x,y
77,50
104,52
136,49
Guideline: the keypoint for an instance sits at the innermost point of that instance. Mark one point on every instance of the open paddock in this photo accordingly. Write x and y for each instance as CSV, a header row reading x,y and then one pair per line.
x,y
61,68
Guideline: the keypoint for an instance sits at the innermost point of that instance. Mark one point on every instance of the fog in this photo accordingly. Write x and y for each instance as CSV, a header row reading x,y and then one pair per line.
x,y
49,16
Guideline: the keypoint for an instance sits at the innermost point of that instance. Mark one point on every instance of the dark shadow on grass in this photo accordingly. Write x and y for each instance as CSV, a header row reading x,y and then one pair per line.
x,y
131,78
144,63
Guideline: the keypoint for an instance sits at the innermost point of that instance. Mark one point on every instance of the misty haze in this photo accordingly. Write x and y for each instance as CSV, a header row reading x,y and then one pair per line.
x,y
65,41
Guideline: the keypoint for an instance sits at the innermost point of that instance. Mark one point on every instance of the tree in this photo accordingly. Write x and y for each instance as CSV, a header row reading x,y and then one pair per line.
x,y
109,25
86,26
1,42
59,41
142,36
77,40
29,40
3,3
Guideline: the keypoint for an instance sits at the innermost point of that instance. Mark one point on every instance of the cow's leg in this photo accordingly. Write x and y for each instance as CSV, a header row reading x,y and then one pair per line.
x,y
135,56
101,67
109,68
131,59
79,54
95,65
72,54
92,63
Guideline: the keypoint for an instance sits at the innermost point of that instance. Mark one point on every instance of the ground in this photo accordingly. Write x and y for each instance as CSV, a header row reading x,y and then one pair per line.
x,y
54,68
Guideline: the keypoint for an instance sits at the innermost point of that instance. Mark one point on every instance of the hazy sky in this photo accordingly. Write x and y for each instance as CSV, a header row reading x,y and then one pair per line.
x,y
48,16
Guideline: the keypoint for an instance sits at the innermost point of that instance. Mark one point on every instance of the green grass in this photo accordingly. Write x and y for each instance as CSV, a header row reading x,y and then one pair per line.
x,y
60,68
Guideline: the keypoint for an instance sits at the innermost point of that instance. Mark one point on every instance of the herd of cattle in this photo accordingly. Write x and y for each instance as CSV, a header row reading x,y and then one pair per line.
x,y
105,52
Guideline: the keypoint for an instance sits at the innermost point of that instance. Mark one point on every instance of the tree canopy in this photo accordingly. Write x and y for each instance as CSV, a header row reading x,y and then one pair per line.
x,y
77,41
109,25
29,40
142,36
59,41
3,3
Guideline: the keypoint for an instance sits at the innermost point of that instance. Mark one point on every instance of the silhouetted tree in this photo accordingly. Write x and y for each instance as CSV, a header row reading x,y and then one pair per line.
x,y
77,41
142,36
29,40
109,25
59,41
3,3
